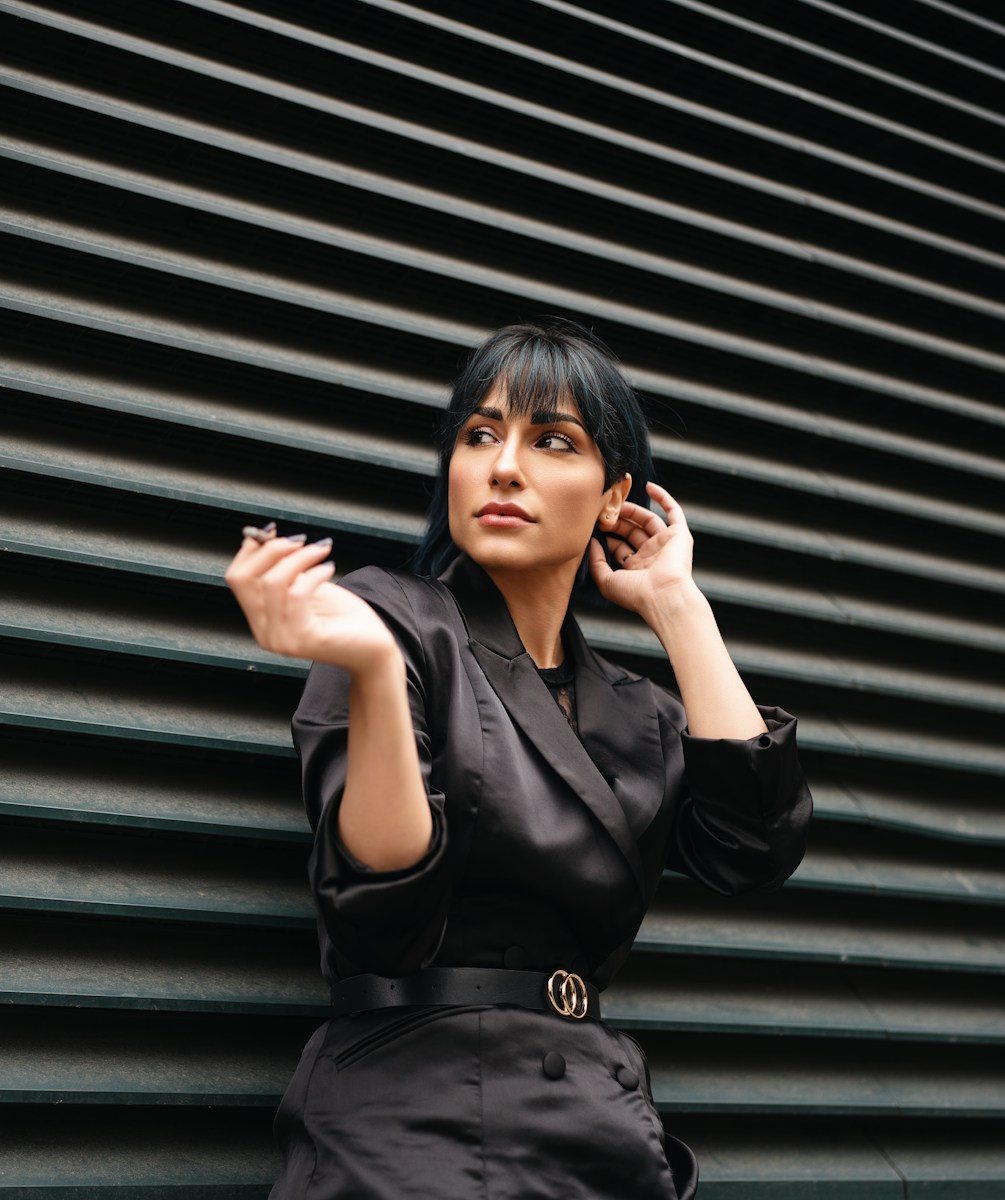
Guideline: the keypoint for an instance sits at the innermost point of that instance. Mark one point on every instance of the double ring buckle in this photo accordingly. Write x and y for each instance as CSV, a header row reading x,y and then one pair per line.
x,y
567,993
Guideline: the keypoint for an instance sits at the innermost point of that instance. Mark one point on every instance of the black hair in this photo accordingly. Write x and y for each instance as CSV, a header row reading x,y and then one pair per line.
x,y
539,364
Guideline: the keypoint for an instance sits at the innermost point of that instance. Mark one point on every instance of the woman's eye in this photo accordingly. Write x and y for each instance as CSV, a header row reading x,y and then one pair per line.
x,y
477,437
556,441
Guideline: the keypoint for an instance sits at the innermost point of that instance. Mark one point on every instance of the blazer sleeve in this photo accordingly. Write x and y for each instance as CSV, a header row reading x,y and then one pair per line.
x,y
743,817
388,922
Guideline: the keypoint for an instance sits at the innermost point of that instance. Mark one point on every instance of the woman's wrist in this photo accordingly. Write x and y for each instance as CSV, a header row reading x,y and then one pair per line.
x,y
675,612
376,664
367,659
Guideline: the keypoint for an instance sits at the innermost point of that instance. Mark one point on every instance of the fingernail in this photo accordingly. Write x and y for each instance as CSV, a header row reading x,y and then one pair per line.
x,y
323,542
269,528
298,538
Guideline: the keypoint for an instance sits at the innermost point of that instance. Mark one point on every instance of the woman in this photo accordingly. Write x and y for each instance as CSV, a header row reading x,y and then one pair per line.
x,y
494,803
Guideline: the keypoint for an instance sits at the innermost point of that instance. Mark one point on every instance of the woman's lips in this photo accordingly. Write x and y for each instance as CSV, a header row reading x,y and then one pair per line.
x,y
503,520
503,516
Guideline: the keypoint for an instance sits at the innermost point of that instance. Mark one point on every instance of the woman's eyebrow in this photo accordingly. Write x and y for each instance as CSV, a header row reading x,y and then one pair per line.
x,y
543,416
548,416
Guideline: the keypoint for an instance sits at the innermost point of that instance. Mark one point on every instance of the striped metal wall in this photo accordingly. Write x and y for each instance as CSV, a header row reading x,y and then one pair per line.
x,y
244,246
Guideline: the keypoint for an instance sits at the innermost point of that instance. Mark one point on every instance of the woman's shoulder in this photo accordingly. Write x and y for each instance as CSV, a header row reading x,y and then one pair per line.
x,y
386,581
405,599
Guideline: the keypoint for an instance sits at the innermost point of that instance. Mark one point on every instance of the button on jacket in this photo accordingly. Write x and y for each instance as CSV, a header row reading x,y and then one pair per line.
x,y
547,849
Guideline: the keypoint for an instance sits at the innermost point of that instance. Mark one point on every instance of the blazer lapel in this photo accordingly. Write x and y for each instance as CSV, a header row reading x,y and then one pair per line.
x,y
619,724
513,677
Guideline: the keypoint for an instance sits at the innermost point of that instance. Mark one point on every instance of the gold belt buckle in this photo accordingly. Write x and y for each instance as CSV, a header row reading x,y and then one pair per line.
x,y
568,995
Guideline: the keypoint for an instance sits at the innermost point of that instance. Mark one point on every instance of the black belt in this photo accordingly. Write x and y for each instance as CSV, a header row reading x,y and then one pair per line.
x,y
563,992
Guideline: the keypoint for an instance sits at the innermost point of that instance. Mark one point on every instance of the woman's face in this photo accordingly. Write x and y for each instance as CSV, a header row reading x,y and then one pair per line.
x,y
526,490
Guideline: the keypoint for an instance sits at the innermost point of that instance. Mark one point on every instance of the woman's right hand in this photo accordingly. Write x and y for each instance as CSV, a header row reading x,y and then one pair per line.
x,y
285,590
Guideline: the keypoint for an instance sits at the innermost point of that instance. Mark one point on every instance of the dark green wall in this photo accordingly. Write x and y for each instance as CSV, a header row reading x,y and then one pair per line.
x,y
242,250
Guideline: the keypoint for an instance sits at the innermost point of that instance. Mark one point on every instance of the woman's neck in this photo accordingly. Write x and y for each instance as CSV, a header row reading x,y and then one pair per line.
x,y
537,605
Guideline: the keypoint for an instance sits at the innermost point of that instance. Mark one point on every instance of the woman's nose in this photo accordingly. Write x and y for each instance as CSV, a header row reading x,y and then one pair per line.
x,y
506,468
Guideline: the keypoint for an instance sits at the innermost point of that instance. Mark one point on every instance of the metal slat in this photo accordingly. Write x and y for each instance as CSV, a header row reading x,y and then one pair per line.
x,y
140,397
71,163
38,455
85,786
39,618
848,733
223,489
873,42
709,995
164,329
110,1059
189,970
34,615
510,103
789,475
843,870
380,449
78,705
860,1160
38,85
224,274
911,810
872,932
796,47
35,455
599,80
974,1166
763,80
838,546
619,635
905,35
112,874
209,1154
60,698
805,1076
68,539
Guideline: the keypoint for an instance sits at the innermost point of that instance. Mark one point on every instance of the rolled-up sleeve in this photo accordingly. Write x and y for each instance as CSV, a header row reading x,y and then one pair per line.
x,y
388,922
743,819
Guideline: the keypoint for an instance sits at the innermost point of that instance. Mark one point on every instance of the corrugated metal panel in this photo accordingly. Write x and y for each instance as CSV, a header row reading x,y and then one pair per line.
x,y
244,247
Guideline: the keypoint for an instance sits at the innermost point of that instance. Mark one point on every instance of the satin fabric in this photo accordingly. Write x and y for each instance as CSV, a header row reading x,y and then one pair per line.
x,y
546,850
447,1104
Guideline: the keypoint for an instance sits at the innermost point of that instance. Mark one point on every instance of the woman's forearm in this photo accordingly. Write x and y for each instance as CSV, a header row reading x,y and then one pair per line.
x,y
384,820
715,698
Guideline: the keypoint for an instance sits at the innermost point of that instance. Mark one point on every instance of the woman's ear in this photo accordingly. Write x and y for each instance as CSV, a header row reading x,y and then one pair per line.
x,y
614,498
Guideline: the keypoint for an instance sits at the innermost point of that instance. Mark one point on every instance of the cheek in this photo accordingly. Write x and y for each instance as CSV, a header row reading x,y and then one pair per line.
x,y
458,491
456,483
577,501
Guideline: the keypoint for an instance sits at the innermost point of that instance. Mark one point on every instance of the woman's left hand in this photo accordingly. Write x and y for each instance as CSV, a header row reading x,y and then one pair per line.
x,y
655,559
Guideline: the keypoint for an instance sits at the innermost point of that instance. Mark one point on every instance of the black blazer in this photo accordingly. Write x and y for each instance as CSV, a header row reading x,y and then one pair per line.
x,y
547,847
546,850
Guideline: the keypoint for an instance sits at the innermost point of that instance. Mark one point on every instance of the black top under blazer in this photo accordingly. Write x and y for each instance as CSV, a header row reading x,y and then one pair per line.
x,y
547,849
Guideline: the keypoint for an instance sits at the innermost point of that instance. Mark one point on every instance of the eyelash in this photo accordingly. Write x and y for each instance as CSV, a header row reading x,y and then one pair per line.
x,y
561,437
470,438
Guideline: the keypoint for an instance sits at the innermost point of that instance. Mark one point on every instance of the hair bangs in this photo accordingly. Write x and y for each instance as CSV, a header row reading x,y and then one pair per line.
x,y
538,373
541,376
